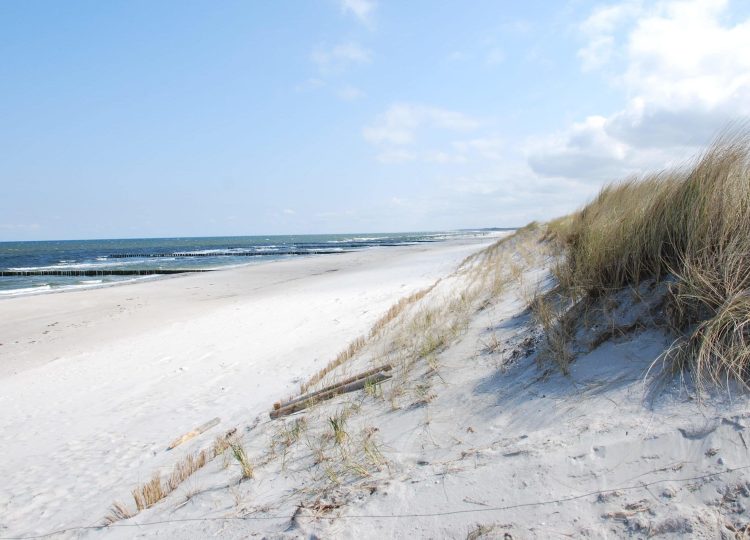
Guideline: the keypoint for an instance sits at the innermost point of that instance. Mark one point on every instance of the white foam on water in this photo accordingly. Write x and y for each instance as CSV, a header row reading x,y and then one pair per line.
x,y
26,290
78,266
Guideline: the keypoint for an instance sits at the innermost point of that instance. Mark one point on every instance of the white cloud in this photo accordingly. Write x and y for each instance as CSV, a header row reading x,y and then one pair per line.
x,y
412,132
350,93
502,195
310,84
495,56
486,147
585,151
340,56
401,122
685,74
20,226
438,156
361,9
396,155
335,214
600,28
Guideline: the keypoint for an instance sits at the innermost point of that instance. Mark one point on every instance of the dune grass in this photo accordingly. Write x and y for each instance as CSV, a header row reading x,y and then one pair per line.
x,y
148,494
238,451
691,224
359,343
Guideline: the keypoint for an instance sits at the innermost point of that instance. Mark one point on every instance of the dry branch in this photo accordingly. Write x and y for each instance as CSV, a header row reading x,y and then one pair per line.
x,y
197,431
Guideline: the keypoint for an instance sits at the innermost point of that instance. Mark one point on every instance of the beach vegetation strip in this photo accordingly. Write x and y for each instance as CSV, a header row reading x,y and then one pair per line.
x,y
605,276
686,228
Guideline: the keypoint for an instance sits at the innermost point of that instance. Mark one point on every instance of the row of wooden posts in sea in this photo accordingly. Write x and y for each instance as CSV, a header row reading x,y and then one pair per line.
x,y
220,254
95,273
151,271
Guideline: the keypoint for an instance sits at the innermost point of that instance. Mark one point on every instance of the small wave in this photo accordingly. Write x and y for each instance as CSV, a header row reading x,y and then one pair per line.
x,y
77,266
217,252
83,284
26,290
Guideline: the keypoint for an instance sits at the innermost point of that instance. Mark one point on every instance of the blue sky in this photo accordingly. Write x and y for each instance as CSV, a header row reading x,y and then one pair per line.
x,y
157,118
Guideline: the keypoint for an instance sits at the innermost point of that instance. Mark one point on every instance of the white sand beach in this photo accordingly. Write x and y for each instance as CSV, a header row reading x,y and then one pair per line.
x,y
474,436
370,269
95,384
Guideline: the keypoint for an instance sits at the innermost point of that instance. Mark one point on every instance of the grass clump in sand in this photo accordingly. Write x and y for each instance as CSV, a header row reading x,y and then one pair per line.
x,y
238,451
156,489
550,311
690,224
148,494
117,512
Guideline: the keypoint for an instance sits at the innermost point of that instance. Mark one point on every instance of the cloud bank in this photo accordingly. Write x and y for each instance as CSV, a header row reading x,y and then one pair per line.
x,y
685,72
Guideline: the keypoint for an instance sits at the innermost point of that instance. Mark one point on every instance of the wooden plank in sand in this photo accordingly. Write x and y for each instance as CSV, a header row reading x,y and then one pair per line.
x,y
197,431
323,396
373,371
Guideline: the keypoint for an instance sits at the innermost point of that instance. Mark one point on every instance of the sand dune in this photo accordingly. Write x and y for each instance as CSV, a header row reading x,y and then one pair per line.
x,y
95,384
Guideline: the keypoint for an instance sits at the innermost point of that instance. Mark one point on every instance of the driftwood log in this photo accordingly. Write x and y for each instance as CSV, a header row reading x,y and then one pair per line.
x,y
373,371
197,431
317,397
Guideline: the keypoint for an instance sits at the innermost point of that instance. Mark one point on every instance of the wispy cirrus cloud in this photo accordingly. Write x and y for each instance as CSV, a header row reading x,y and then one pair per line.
x,y
363,10
401,122
350,93
340,56
485,147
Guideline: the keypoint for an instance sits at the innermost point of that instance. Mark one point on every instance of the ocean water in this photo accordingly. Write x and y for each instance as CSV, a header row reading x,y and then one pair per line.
x,y
122,260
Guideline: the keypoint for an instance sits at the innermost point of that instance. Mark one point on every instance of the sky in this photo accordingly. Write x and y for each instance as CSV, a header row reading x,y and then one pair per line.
x,y
156,118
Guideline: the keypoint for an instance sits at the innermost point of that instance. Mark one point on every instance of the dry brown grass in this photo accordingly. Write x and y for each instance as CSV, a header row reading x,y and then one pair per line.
x,y
691,223
186,467
399,307
486,274
344,356
118,512
150,493
156,489
551,312
358,344
221,444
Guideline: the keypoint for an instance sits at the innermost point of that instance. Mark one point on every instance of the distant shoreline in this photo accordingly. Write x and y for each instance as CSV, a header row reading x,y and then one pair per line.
x,y
44,267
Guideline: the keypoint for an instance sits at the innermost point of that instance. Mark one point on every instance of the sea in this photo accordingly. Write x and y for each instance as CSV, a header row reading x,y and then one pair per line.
x,y
46,266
